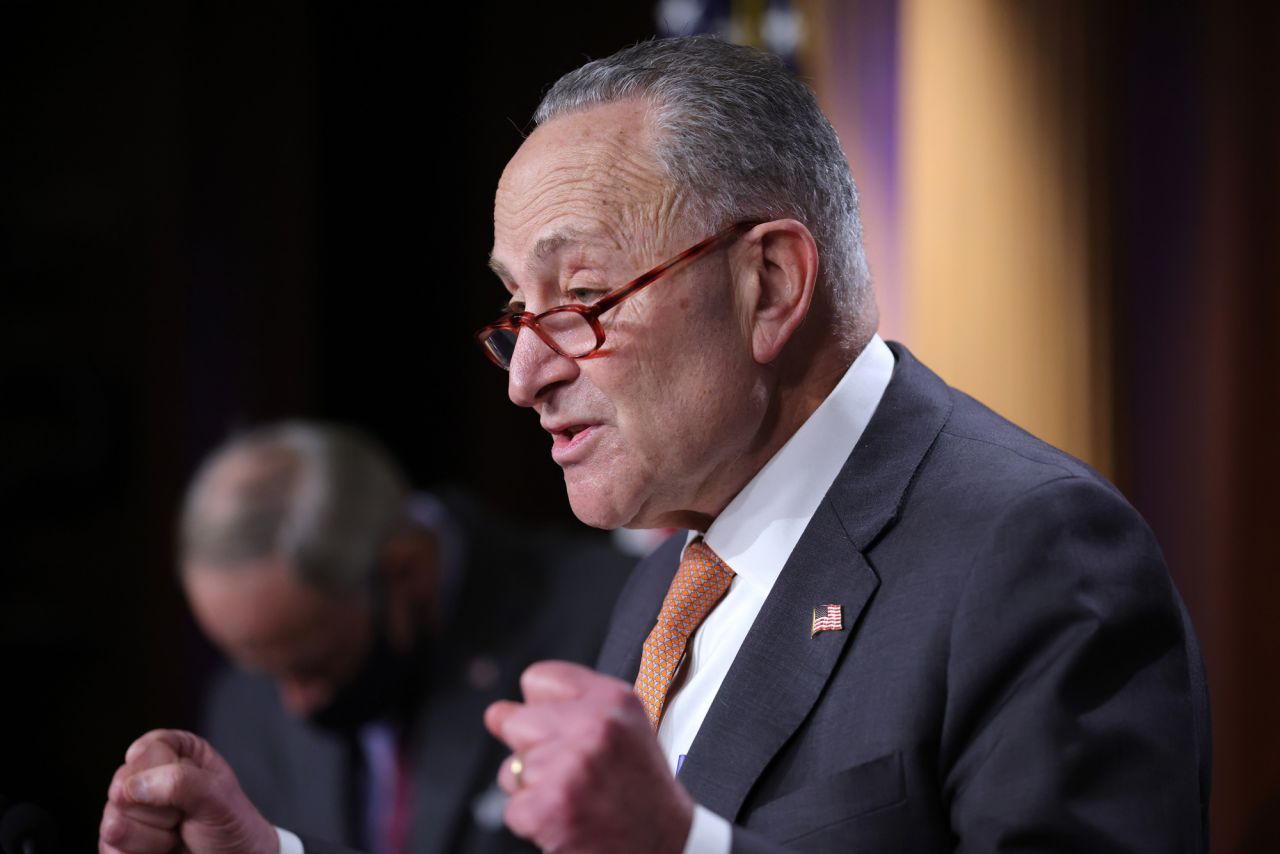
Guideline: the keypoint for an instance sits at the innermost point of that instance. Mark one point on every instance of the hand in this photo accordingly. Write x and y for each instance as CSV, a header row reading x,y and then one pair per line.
x,y
134,826
174,790
594,778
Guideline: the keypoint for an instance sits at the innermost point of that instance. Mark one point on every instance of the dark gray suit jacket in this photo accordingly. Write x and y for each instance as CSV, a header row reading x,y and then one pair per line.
x,y
523,598
1016,670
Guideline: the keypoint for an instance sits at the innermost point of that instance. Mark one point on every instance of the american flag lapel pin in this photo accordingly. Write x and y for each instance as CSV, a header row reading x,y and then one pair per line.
x,y
827,619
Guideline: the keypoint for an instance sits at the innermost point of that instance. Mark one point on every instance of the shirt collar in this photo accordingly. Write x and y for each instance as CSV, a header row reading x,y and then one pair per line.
x,y
757,531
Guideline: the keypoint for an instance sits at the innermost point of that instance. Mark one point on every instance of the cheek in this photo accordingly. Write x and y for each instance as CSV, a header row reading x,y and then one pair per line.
x,y
676,402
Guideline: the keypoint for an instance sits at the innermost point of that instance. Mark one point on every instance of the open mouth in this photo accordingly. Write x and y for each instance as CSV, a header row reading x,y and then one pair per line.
x,y
568,444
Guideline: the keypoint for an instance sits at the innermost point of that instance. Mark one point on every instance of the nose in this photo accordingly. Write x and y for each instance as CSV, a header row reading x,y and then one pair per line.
x,y
535,369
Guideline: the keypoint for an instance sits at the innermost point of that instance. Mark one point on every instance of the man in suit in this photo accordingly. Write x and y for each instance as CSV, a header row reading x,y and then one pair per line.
x,y
1005,663
897,621
370,628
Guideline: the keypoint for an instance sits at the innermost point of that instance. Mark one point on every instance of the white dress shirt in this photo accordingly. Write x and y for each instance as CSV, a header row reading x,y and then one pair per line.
x,y
755,535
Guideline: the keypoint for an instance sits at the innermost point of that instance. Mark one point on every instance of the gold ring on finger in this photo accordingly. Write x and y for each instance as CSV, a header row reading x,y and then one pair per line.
x,y
517,770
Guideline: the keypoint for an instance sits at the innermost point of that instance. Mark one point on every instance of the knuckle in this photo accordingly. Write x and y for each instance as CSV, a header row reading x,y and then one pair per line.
x,y
190,744
560,803
607,733
519,817
115,788
629,708
527,678
112,827
617,694
223,791
613,730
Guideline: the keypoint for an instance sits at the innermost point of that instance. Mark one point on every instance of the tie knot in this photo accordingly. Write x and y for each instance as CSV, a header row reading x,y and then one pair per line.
x,y
700,581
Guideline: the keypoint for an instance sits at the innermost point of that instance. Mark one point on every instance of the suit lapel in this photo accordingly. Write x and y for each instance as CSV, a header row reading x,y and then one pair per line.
x,y
780,671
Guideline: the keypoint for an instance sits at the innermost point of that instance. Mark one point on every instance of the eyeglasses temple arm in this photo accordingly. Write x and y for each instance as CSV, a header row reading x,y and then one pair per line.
x,y
608,301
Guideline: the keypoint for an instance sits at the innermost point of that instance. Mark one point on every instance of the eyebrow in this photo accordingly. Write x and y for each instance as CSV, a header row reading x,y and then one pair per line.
x,y
542,250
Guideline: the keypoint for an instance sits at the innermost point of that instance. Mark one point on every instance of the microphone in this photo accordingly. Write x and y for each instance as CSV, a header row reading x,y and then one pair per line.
x,y
26,829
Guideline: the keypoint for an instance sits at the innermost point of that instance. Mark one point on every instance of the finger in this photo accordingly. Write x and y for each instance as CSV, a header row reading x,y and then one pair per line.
x,y
161,742
519,815
122,832
145,742
536,815
162,818
496,715
528,726
142,755
507,780
536,765
556,681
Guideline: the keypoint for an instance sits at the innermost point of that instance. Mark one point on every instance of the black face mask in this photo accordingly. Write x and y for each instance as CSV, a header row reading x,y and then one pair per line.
x,y
386,685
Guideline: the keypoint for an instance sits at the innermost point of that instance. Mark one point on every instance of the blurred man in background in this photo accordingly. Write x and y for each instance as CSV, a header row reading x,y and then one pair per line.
x,y
370,627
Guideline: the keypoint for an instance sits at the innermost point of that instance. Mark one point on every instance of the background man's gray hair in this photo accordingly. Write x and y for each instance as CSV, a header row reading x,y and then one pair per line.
x,y
323,498
745,140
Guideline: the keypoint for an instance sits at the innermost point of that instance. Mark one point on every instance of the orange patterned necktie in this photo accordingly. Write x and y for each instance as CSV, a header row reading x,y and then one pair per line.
x,y
699,584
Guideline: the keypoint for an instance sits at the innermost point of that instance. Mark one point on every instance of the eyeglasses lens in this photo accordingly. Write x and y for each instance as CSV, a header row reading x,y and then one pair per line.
x,y
501,344
571,332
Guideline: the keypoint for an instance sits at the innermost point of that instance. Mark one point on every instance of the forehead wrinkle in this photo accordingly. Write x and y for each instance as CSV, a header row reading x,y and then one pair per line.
x,y
546,248
607,177
600,200
566,238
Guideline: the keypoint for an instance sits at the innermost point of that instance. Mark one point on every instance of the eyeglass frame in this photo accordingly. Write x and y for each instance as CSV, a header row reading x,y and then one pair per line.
x,y
591,313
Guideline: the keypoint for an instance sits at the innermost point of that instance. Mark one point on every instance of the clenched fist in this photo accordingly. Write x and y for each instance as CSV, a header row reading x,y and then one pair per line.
x,y
591,775
174,792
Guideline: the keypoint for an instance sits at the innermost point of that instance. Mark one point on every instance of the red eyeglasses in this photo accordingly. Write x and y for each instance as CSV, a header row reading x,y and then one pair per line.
x,y
574,330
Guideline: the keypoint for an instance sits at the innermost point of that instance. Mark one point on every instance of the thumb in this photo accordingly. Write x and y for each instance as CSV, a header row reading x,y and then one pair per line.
x,y
556,681
195,780
180,785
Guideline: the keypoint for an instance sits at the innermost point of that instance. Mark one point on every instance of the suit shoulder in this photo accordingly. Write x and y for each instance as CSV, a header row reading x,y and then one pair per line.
x,y
983,454
985,481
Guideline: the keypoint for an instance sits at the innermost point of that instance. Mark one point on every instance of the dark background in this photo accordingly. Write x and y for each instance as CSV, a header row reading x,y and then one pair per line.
x,y
211,215
216,214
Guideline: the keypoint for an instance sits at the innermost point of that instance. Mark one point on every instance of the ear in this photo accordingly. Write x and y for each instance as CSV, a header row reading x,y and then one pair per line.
x,y
785,268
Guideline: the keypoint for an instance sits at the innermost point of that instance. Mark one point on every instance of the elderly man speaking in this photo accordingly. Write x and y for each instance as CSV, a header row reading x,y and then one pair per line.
x,y
896,621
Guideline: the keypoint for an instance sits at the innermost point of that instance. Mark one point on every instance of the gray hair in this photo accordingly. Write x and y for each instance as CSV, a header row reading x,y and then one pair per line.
x,y
321,497
744,139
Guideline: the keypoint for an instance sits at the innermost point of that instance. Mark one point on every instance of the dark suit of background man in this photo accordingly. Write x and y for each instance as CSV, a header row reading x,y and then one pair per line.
x,y
1004,664
371,628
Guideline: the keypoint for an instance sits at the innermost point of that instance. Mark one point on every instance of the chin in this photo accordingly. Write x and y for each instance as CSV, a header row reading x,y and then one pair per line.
x,y
599,508
597,514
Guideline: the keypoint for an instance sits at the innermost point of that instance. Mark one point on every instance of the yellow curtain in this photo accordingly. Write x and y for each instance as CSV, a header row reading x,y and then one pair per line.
x,y
986,255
